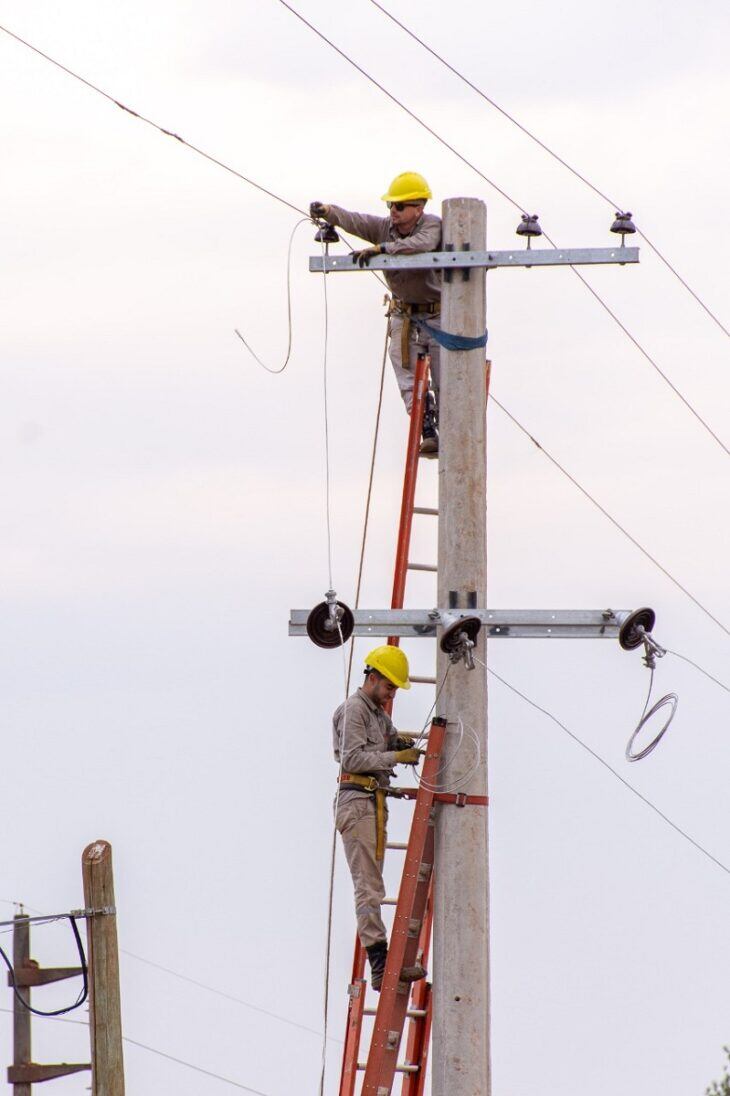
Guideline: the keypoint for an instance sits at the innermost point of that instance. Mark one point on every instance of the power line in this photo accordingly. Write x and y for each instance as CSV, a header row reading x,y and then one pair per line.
x,y
221,993
163,1054
512,201
700,668
612,519
597,757
150,122
533,137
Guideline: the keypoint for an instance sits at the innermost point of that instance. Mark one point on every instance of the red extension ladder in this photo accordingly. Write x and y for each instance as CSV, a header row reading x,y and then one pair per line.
x,y
410,936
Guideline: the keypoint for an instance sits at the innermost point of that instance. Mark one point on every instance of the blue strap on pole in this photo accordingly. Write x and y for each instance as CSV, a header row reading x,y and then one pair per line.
x,y
449,341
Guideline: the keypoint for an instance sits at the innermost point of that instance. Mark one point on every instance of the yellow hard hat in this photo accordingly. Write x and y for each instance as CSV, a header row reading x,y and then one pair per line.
x,y
408,187
391,663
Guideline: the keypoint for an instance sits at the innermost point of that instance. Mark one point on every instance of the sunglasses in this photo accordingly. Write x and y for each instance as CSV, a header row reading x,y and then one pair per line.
x,y
400,206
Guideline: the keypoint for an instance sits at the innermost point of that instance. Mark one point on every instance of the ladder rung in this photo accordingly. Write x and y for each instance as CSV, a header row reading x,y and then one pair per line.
x,y
423,567
404,1067
412,1014
422,680
396,845
390,902
426,510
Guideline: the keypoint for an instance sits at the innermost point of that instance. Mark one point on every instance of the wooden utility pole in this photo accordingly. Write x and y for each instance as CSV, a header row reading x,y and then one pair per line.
x,y
461,1056
107,1063
21,1017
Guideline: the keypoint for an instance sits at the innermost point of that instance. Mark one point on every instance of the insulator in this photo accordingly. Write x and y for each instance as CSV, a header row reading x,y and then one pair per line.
x,y
326,235
623,224
452,639
529,226
322,625
629,635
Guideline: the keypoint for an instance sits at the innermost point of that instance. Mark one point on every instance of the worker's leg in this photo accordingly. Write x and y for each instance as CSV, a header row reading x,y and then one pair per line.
x,y
356,823
422,342
403,370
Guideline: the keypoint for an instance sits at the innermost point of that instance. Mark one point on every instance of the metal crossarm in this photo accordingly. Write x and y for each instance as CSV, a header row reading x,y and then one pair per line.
x,y
499,623
489,260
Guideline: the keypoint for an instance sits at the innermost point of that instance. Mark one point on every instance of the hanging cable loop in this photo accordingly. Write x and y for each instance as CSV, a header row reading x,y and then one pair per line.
x,y
670,699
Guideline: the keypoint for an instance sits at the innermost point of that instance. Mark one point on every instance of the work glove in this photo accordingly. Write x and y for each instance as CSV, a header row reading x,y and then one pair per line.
x,y
404,742
362,258
318,209
408,757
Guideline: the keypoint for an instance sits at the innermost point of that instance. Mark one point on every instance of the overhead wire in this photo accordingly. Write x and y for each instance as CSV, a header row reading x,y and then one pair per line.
x,y
163,1054
551,152
597,757
83,992
368,498
700,668
442,140
553,460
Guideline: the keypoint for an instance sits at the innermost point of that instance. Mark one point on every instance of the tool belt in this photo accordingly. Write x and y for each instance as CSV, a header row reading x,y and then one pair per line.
x,y
369,784
406,309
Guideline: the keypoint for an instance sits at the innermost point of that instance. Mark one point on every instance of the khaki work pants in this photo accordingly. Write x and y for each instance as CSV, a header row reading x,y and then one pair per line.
x,y
419,342
356,823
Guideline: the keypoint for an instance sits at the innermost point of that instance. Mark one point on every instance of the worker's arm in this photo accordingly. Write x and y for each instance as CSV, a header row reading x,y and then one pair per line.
x,y
372,229
359,754
427,237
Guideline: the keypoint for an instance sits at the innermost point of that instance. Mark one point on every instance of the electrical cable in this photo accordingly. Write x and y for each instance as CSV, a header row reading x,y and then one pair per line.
x,y
512,202
162,1054
304,220
670,699
605,764
368,498
84,991
614,205
700,668
221,993
150,122
614,522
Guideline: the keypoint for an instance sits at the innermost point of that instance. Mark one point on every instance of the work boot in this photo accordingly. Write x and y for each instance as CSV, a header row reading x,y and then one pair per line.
x,y
413,974
430,433
377,954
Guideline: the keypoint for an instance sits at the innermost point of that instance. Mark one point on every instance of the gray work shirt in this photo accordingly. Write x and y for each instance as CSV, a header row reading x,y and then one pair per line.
x,y
367,732
412,286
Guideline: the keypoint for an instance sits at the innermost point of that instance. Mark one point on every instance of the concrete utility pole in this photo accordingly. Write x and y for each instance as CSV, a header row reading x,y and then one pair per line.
x,y
107,1062
461,1058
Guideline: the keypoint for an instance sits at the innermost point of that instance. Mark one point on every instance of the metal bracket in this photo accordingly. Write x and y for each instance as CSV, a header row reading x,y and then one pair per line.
x,y
497,623
103,911
459,260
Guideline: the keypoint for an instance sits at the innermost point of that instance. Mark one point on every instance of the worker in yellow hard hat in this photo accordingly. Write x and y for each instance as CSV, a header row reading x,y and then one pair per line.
x,y
367,747
416,293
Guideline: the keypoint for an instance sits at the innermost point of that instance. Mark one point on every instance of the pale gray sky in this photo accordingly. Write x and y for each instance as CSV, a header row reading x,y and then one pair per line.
x,y
163,509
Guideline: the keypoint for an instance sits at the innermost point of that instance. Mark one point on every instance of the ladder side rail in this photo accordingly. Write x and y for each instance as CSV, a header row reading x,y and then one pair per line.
x,y
420,388
356,1005
404,944
416,1051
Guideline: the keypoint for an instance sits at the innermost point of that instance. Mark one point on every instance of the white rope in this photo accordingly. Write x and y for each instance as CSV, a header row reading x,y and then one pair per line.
x,y
333,857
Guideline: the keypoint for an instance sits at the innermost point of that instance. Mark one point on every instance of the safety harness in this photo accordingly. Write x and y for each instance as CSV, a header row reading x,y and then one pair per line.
x,y
406,310
370,784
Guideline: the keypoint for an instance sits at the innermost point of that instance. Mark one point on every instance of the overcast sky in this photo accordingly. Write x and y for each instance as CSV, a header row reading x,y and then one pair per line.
x,y
163,509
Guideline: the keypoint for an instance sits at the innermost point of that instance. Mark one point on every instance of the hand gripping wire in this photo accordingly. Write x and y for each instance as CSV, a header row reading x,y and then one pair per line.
x,y
636,632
